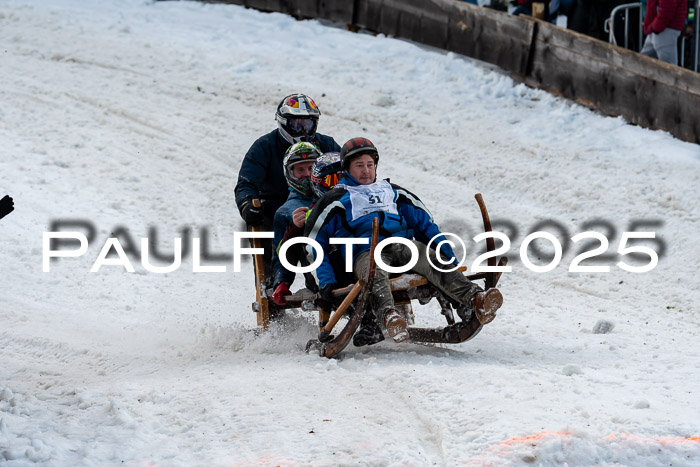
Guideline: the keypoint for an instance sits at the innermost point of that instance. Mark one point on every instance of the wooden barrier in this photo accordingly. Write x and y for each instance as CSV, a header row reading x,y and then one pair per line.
x,y
492,36
616,81
405,18
342,12
610,79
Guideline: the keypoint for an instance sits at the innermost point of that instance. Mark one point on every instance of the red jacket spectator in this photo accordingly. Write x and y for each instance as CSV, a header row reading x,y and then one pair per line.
x,y
662,14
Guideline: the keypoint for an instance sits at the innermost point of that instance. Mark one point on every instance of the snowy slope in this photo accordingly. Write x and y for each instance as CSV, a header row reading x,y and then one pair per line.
x,y
134,114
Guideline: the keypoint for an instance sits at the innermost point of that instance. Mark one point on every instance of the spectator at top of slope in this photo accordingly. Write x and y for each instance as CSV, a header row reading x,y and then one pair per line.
x,y
663,23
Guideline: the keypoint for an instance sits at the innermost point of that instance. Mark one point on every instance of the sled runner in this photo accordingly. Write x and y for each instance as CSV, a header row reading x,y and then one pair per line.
x,y
336,327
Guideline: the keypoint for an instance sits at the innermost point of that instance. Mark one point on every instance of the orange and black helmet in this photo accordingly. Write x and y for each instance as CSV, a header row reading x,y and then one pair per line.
x,y
326,173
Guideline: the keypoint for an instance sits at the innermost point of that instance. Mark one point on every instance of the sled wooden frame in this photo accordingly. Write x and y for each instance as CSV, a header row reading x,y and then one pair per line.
x,y
262,303
404,288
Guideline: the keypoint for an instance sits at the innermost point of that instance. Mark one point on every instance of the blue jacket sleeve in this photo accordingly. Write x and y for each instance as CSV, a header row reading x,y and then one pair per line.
x,y
324,223
424,228
280,273
324,273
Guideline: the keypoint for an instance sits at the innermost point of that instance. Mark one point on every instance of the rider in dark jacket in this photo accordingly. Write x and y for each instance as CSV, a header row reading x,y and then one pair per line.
x,y
261,175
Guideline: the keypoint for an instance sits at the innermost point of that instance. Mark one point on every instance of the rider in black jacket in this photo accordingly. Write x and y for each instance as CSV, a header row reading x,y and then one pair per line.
x,y
262,175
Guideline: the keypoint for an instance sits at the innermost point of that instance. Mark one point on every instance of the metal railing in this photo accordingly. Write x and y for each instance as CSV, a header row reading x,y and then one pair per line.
x,y
610,24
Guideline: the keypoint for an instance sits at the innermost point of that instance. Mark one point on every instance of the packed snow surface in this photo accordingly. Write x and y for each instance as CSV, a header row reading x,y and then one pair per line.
x,y
133,117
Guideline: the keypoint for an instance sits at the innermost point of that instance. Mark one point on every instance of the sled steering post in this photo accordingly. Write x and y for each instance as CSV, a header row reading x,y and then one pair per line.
x,y
344,306
333,345
263,308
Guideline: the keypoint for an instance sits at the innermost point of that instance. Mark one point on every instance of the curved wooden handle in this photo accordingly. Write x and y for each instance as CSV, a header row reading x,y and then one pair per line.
x,y
491,277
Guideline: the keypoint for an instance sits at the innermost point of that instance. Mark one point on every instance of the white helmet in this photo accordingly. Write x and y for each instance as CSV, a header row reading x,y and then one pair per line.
x,y
297,118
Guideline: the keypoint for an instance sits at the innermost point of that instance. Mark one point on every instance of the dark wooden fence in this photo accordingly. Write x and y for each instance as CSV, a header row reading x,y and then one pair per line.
x,y
602,76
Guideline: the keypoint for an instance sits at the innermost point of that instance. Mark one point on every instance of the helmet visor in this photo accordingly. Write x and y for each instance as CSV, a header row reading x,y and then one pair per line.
x,y
329,181
301,125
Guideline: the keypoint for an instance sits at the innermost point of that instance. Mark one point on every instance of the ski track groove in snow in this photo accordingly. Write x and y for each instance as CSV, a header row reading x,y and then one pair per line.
x,y
137,114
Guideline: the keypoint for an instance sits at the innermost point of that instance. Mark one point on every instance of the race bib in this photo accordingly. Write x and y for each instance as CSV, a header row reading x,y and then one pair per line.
x,y
366,199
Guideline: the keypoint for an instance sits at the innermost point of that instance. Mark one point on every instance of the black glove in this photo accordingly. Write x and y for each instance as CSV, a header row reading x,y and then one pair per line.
x,y
6,206
251,215
327,292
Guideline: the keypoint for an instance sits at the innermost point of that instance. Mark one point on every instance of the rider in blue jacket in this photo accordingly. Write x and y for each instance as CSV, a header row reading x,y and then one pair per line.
x,y
291,217
348,211
298,163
